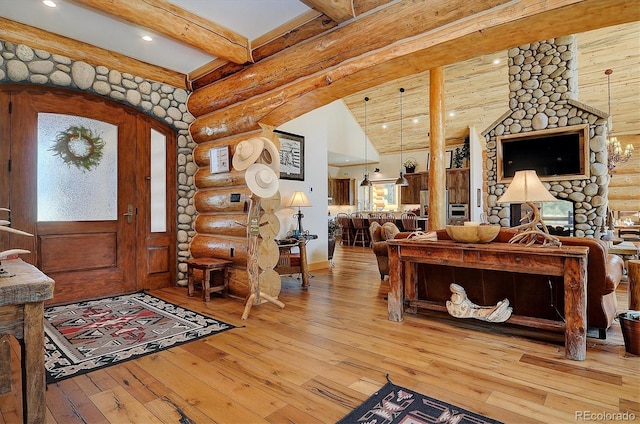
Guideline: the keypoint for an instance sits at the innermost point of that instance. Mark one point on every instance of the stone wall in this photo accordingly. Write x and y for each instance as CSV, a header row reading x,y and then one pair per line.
x,y
21,64
542,95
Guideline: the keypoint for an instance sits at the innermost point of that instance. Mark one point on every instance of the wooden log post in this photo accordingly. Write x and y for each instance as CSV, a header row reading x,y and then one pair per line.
x,y
437,167
575,307
633,272
395,298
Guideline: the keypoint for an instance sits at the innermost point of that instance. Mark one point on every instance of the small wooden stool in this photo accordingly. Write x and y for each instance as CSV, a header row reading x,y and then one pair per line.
x,y
208,265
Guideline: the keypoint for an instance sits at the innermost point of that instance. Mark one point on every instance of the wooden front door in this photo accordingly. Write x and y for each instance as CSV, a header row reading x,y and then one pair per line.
x,y
76,184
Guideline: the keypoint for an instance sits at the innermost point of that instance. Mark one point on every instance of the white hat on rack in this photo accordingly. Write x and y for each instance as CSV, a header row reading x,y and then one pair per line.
x,y
247,152
261,180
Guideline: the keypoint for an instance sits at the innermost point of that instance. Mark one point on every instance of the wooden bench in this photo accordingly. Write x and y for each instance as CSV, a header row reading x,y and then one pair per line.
x,y
208,266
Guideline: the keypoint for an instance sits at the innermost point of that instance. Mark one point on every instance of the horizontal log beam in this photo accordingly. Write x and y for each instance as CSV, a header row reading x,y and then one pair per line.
x,y
338,10
178,24
310,29
360,36
527,21
77,50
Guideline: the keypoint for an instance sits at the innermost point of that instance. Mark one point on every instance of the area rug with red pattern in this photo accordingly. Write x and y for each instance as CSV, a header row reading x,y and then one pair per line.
x,y
86,336
395,404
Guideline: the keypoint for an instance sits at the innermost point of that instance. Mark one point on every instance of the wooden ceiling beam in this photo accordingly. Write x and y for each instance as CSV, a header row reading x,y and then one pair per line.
x,y
362,35
307,26
526,21
40,39
178,24
338,10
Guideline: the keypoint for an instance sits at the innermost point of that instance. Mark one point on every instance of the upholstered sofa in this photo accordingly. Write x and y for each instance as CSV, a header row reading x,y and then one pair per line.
x,y
529,294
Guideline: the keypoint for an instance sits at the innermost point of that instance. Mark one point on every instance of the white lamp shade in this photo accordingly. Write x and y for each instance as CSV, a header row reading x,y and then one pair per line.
x,y
299,200
526,187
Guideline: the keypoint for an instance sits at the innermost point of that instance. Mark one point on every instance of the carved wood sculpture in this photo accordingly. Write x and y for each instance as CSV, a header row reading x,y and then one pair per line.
x,y
461,307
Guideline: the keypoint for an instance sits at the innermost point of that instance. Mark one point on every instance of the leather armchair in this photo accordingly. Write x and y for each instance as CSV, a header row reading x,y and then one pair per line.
x,y
379,236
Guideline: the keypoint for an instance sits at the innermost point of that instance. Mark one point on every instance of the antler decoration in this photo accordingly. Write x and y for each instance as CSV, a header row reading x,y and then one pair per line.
x,y
4,227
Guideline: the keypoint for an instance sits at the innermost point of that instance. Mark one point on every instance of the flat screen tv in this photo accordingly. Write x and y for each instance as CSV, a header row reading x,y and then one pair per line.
x,y
557,154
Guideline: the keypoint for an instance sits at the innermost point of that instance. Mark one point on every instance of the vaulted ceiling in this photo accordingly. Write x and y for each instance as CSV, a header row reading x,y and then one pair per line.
x,y
196,42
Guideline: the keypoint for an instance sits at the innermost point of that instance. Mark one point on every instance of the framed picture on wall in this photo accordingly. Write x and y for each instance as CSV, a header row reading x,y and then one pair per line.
x,y
291,156
447,158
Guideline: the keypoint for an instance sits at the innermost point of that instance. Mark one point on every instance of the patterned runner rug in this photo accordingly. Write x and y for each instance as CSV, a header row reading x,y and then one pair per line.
x,y
86,336
395,404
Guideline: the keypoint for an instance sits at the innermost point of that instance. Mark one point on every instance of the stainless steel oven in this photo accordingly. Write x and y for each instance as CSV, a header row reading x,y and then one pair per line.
x,y
457,213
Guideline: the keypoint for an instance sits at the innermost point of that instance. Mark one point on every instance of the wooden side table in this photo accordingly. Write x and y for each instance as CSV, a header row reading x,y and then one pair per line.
x,y
22,299
208,266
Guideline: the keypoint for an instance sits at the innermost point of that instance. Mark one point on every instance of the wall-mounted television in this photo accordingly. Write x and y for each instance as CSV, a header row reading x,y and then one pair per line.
x,y
556,154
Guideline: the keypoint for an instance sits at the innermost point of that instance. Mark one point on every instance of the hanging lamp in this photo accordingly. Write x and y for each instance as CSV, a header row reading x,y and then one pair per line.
x,y
365,182
401,181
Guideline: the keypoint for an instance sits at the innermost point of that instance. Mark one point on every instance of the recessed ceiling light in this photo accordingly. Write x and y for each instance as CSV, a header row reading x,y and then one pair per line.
x,y
384,126
49,3
147,38
452,114
416,120
496,61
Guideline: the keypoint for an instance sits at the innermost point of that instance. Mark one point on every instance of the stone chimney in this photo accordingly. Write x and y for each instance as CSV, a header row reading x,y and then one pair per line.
x,y
543,91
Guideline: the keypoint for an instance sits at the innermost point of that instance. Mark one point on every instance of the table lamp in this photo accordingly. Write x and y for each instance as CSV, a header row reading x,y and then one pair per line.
x,y
527,188
299,200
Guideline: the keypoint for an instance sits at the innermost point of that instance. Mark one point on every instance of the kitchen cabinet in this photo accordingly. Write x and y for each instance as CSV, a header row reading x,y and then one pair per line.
x,y
458,185
410,194
342,191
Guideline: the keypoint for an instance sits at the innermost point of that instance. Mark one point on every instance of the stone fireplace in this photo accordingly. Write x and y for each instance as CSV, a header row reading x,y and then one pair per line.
x,y
543,89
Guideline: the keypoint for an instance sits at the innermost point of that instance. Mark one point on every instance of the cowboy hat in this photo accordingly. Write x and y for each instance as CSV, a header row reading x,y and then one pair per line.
x,y
247,152
270,155
261,180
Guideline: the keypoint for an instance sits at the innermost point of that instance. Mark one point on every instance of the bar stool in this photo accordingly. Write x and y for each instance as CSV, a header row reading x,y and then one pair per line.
x,y
208,266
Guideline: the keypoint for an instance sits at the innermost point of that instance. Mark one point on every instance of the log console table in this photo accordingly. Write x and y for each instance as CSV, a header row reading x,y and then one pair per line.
x,y
570,262
22,299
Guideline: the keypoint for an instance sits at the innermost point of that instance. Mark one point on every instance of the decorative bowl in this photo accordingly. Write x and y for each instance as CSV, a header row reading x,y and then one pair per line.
x,y
473,234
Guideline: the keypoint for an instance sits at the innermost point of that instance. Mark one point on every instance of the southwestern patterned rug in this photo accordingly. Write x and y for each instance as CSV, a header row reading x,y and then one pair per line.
x,y
86,336
395,404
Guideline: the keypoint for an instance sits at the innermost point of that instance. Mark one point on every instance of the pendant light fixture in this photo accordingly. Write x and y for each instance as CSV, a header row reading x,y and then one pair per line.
x,y
365,182
614,147
401,181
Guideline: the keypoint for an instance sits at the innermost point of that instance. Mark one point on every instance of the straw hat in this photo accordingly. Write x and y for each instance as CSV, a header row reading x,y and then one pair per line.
x,y
261,180
247,152
270,155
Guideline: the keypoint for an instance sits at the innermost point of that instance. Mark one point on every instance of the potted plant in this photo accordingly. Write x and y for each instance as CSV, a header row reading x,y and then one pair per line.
x,y
410,165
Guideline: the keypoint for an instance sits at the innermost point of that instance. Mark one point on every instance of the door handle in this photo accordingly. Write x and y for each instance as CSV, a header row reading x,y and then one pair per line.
x,y
129,213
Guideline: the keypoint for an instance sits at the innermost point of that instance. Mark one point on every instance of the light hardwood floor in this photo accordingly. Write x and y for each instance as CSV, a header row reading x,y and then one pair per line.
x,y
329,349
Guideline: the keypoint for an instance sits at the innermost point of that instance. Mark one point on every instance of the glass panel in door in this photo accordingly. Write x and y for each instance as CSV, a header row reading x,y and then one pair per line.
x,y
77,169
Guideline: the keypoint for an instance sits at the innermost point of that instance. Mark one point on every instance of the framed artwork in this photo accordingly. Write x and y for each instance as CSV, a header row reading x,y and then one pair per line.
x,y
291,156
447,158
219,159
